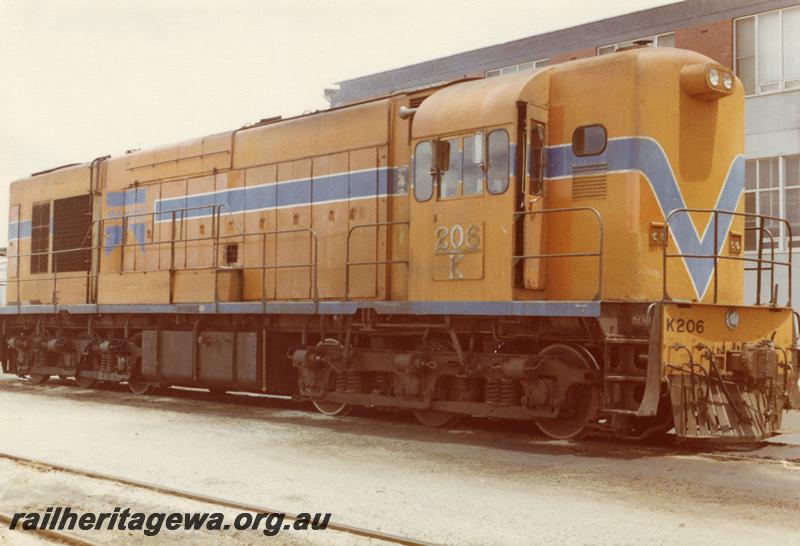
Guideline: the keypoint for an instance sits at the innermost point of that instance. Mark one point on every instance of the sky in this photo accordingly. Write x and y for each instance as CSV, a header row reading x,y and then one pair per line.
x,y
85,78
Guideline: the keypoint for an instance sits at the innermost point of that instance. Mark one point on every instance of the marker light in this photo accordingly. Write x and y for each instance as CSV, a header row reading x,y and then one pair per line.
x,y
732,319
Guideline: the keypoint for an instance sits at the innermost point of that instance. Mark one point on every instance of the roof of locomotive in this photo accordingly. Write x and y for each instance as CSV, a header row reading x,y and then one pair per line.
x,y
492,101
452,106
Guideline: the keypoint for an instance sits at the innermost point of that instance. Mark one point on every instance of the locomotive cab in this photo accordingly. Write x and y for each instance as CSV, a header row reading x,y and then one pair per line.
x,y
477,163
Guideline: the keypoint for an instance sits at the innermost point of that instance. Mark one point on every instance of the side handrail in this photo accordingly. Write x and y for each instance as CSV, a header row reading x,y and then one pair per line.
x,y
716,256
375,263
313,263
597,254
95,250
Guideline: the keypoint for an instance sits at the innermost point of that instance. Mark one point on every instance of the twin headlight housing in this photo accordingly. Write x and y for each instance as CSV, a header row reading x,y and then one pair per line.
x,y
707,81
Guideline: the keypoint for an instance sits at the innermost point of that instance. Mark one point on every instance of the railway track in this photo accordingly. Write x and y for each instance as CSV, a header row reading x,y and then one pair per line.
x,y
66,538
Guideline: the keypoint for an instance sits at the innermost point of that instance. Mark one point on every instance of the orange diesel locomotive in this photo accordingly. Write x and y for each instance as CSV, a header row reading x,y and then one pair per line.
x,y
565,246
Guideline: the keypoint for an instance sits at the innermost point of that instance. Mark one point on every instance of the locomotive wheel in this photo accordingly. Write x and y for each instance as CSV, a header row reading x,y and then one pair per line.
x,y
38,378
84,382
436,418
332,409
139,385
582,400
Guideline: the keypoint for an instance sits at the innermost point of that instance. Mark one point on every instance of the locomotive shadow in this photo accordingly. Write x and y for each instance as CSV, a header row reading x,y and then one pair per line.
x,y
511,436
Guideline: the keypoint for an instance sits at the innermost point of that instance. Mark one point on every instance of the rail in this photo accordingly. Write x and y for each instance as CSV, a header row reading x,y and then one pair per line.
x,y
376,262
334,525
597,254
716,256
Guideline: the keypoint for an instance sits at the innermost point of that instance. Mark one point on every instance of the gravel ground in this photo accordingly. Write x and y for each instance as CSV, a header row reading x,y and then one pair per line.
x,y
478,483
27,488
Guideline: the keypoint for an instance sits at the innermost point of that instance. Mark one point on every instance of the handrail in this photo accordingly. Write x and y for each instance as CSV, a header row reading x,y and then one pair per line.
x,y
376,263
716,256
313,264
598,254
215,236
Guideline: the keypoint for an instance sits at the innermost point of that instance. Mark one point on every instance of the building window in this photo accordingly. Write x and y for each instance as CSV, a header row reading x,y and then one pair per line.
x,y
659,40
40,238
522,67
767,49
772,188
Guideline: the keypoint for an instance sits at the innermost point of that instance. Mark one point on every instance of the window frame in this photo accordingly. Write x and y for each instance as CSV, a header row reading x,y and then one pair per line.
x,y
628,43
757,83
781,238
489,133
485,169
434,183
605,143
459,151
501,71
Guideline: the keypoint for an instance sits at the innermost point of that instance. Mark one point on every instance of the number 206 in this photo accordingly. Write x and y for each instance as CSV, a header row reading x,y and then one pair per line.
x,y
457,238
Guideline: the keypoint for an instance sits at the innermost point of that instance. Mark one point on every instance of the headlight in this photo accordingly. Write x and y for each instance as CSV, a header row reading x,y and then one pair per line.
x,y
707,81
732,319
727,80
713,77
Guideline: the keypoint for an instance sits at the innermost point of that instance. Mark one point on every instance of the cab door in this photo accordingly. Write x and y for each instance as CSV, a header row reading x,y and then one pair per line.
x,y
534,219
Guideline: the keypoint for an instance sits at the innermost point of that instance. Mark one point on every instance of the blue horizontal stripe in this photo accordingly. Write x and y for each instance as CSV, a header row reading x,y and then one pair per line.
x,y
322,189
133,196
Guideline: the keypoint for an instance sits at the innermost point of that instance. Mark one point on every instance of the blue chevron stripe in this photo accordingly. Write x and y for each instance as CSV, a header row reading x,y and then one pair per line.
x,y
645,155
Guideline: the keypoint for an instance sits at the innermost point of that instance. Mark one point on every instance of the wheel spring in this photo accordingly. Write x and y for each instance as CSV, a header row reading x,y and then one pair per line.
x,y
493,391
106,363
340,379
357,382
510,392
380,383
39,359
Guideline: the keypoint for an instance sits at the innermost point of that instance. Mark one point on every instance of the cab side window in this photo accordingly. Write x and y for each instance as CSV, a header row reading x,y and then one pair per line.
x,y
499,159
473,167
451,178
589,140
423,176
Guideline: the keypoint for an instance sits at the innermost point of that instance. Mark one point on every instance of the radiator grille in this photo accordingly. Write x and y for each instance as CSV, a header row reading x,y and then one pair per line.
x,y
72,228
